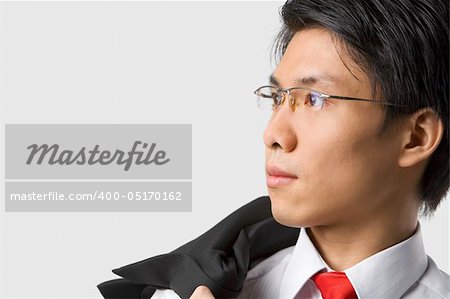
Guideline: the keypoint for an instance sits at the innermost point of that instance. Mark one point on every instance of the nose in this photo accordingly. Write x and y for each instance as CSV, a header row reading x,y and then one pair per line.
x,y
280,133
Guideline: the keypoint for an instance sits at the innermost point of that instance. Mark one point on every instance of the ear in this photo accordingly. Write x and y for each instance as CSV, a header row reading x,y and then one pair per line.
x,y
421,136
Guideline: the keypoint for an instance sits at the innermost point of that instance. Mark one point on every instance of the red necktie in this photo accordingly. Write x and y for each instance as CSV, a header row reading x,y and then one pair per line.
x,y
334,285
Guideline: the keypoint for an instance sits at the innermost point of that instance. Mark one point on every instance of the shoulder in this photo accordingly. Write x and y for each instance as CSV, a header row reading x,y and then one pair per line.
x,y
436,279
264,279
264,272
279,258
434,283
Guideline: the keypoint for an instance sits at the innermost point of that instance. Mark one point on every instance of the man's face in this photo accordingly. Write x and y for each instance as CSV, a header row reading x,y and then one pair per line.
x,y
344,170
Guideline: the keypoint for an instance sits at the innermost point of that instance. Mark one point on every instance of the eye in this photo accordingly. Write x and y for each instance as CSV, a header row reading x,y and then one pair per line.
x,y
314,100
276,98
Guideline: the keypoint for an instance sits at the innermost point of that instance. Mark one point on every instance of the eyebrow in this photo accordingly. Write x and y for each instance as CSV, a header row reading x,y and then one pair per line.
x,y
309,80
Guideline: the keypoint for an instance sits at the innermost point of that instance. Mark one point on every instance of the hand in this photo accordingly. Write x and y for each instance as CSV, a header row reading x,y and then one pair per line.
x,y
202,292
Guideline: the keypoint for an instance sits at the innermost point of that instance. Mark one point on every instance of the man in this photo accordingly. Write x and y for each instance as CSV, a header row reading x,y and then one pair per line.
x,y
357,146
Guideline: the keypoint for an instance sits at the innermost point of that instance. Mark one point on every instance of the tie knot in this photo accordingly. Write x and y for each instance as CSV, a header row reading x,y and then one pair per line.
x,y
334,285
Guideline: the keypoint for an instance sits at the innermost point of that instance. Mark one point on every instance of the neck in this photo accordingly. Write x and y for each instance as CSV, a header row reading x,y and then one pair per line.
x,y
346,244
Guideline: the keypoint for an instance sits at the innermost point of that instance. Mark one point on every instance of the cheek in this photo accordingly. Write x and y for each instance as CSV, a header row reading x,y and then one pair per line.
x,y
348,151
328,157
339,168
312,197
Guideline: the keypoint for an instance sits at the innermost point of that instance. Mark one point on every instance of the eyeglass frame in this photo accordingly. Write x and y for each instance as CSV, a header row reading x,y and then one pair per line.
x,y
324,96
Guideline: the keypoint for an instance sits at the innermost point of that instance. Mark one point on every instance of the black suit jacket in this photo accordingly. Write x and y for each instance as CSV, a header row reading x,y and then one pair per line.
x,y
218,259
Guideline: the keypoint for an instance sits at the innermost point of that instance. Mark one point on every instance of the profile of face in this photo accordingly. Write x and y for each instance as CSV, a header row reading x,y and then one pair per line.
x,y
342,168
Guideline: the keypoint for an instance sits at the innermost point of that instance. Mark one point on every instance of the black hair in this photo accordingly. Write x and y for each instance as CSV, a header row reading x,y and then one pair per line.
x,y
403,46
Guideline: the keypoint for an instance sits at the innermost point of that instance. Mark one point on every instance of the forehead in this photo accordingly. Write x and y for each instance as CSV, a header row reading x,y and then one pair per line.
x,y
313,53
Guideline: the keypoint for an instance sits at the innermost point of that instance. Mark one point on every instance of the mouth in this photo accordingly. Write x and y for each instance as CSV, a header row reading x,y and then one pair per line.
x,y
276,177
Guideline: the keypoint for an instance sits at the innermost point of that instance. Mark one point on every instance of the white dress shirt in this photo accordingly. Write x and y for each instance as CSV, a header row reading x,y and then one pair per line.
x,y
400,271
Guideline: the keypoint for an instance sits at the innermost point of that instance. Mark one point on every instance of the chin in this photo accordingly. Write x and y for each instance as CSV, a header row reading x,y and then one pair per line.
x,y
285,214
291,213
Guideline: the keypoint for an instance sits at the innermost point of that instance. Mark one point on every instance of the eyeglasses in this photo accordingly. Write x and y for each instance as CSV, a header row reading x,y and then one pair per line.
x,y
270,97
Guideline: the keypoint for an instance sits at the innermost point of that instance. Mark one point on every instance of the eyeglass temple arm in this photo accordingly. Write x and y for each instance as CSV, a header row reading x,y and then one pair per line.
x,y
359,99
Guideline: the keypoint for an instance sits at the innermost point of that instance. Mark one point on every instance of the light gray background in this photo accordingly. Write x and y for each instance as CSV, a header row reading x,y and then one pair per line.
x,y
138,63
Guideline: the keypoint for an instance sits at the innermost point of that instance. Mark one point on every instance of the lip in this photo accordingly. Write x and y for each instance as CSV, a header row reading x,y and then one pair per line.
x,y
276,177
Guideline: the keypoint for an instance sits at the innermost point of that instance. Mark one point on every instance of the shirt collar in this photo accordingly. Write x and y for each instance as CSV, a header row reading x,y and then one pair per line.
x,y
304,263
386,274
391,272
